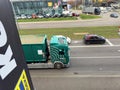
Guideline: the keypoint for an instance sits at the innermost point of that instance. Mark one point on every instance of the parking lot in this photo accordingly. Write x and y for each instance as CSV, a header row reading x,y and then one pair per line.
x,y
106,20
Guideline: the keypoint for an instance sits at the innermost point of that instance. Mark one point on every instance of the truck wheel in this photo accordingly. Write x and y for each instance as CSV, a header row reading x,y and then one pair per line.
x,y
58,65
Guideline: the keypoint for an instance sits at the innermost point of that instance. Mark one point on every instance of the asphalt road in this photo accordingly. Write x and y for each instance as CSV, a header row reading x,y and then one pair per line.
x,y
106,20
93,67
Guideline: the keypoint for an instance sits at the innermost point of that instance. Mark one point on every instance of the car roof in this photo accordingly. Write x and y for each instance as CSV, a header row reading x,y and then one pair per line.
x,y
114,13
88,36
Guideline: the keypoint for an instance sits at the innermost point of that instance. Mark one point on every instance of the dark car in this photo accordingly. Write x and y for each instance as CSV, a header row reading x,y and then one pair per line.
x,y
114,15
93,39
97,11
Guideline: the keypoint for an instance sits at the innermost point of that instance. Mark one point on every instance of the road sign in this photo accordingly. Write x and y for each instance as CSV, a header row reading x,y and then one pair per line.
x,y
14,74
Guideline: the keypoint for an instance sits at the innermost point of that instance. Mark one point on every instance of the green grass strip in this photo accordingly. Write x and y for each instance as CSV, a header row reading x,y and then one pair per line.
x,y
75,33
85,16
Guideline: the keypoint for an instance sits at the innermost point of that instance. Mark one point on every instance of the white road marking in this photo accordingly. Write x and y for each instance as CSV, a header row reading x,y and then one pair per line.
x,y
94,46
76,76
76,41
98,57
89,46
109,42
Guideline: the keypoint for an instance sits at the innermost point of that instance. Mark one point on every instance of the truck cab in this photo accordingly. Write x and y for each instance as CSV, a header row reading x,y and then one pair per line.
x,y
59,51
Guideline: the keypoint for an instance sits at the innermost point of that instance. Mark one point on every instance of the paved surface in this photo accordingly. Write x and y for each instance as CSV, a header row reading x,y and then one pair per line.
x,y
93,67
106,20
77,83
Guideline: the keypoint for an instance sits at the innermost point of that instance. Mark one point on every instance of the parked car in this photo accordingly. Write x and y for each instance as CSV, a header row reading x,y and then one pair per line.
x,y
114,15
40,16
28,16
67,13
75,14
93,39
23,16
56,15
18,17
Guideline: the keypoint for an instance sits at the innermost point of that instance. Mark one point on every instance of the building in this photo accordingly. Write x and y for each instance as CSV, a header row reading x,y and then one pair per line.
x,y
29,7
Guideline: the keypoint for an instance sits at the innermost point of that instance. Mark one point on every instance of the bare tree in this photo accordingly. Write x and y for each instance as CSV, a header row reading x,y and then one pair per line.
x,y
74,2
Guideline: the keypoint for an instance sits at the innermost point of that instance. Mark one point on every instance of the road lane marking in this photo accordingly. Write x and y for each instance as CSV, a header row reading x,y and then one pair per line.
x,y
75,76
109,42
102,57
89,46
76,42
94,46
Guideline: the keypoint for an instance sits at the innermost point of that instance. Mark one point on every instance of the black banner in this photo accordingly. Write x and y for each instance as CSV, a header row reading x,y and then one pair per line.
x,y
14,74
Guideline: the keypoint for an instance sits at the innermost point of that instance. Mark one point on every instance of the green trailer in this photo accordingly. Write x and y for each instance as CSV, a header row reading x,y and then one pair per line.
x,y
35,48
39,55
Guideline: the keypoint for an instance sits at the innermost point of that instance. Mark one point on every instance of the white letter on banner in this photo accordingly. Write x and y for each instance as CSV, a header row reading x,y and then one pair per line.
x,y
3,36
7,63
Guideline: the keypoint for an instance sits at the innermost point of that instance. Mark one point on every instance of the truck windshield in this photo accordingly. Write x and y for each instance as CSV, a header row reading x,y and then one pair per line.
x,y
62,40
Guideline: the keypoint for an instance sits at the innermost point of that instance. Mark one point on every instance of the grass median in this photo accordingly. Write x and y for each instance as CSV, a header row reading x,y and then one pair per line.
x,y
75,33
85,16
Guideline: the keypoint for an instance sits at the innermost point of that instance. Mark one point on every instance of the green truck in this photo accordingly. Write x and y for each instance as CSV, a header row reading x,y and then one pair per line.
x,y
38,54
